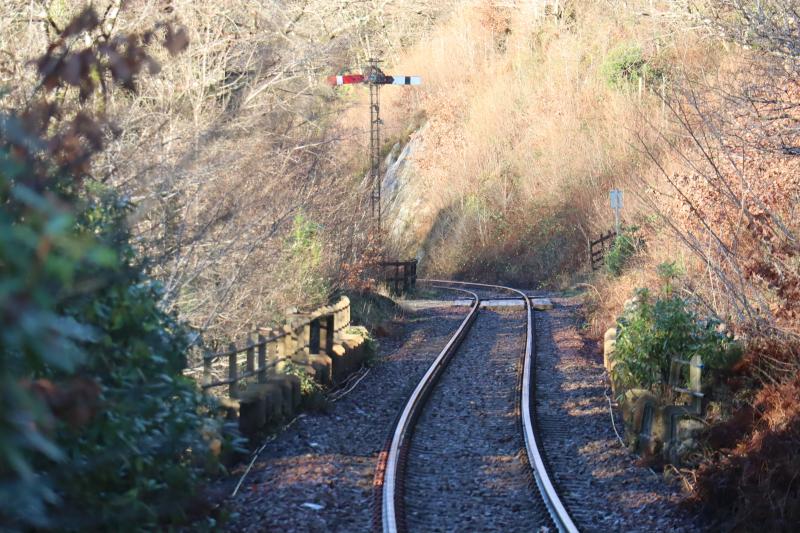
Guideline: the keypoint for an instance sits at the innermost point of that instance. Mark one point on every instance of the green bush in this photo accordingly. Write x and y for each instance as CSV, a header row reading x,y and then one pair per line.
x,y
652,331
625,245
626,65
304,259
99,429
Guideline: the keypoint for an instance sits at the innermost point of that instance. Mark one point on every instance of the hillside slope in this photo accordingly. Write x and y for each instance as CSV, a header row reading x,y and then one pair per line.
x,y
691,110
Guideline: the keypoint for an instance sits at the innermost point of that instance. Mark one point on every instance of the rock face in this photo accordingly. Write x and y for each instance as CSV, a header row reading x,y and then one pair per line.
x,y
403,197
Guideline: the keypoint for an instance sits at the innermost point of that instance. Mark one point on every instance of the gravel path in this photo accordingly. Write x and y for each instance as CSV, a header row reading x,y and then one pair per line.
x,y
598,479
317,475
465,468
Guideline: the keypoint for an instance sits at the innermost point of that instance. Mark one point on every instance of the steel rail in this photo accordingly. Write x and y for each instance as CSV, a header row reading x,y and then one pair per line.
x,y
412,409
547,490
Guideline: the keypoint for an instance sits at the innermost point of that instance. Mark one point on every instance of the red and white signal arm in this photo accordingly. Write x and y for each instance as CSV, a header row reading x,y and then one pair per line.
x,y
346,79
350,79
402,80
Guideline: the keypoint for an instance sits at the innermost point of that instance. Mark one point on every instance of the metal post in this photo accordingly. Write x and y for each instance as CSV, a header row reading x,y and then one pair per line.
x,y
616,204
375,142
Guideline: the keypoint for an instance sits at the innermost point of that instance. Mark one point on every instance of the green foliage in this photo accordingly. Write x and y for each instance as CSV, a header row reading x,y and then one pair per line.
x,y
304,239
96,413
308,386
652,331
625,245
304,248
626,65
99,429
371,344
370,309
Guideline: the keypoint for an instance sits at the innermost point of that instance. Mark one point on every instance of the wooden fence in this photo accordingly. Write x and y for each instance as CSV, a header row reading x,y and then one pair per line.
x,y
400,276
599,247
304,335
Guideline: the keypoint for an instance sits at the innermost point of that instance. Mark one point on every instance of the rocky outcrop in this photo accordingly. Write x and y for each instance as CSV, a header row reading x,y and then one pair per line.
x,y
404,197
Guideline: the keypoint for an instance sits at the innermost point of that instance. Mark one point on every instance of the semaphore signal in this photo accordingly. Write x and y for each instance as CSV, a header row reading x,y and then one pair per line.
x,y
383,80
374,77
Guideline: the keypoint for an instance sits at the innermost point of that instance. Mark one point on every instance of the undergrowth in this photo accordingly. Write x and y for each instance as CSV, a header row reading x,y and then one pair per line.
x,y
371,344
99,429
624,247
755,480
654,330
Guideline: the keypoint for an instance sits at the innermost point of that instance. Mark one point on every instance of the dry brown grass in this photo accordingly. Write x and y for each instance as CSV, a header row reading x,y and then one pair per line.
x,y
231,142
525,136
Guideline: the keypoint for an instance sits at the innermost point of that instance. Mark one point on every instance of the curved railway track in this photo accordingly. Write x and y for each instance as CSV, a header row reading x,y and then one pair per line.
x,y
427,470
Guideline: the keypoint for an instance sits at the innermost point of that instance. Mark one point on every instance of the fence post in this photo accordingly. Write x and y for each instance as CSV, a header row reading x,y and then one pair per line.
x,y
397,278
232,371
288,342
262,358
337,316
273,355
695,383
329,331
251,353
589,246
305,341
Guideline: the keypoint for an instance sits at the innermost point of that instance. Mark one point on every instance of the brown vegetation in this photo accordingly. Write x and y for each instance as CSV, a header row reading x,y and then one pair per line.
x,y
230,154
692,110
246,172
525,135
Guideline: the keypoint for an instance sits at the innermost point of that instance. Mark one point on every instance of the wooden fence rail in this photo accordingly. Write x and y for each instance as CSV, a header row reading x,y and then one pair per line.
x,y
599,247
305,334
400,276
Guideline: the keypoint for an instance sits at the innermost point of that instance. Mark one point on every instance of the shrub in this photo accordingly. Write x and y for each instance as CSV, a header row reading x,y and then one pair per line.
x,y
652,331
625,245
97,414
626,64
303,260
99,429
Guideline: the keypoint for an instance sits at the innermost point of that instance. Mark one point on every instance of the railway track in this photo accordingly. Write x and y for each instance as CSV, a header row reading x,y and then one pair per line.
x,y
464,453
